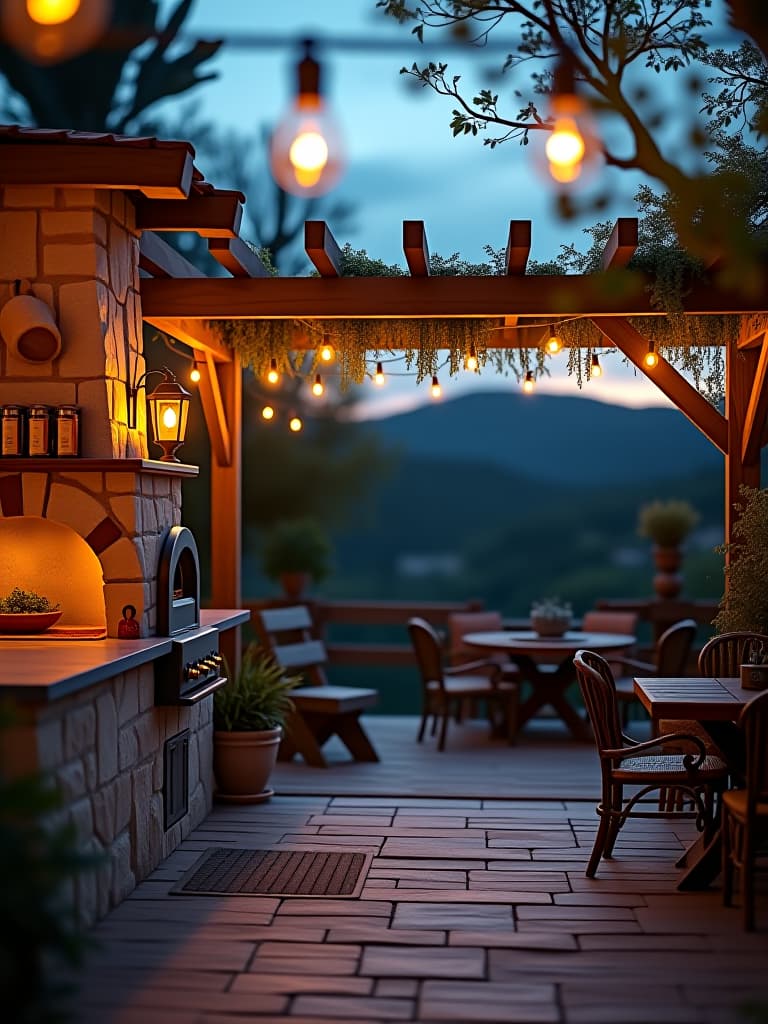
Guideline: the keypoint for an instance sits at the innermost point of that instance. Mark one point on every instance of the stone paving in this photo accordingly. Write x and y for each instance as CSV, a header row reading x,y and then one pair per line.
x,y
473,910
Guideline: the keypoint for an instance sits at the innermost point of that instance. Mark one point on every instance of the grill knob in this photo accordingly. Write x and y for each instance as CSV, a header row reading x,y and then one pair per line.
x,y
191,671
208,664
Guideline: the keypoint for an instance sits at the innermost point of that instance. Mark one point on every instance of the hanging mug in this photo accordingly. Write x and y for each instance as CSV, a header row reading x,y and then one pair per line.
x,y
29,329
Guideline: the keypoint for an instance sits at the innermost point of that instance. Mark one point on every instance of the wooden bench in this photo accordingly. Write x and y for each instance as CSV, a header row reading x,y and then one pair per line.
x,y
320,710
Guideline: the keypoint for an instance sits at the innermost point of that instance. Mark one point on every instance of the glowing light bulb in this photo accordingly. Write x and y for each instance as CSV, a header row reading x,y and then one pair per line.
x,y
378,377
595,369
267,413
195,375
529,383
295,424
565,150
306,153
554,342
572,145
317,387
168,417
436,389
470,363
327,353
651,358
47,31
273,375
51,12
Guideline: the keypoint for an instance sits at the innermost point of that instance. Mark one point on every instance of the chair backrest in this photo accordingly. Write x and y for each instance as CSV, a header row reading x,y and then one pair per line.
x,y
426,647
287,634
460,623
598,691
597,621
722,655
673,648
753,721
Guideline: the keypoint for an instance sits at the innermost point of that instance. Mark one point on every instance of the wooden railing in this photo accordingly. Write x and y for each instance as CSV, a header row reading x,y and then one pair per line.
x,y
662,614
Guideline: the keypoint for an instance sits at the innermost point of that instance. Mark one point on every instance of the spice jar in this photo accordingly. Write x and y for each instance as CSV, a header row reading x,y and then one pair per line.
x,y
39,430
12,424
67,430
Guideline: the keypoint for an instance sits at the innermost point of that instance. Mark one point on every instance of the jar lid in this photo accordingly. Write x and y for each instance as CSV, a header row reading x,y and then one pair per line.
x,y
39,410
12,410
67,410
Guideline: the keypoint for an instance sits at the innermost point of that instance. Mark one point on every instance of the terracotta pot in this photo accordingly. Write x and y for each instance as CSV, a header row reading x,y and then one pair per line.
x,y
243,762
294,584
29,329
667,582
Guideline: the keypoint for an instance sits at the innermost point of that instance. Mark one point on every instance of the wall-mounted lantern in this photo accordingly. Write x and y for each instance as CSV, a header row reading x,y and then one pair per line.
x,y
168,411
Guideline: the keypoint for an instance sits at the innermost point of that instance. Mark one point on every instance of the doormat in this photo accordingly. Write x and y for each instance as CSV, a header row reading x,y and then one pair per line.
x,y
275,873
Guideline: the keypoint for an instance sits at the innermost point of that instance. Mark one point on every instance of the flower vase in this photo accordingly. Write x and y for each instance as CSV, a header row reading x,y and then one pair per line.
x,y
667,582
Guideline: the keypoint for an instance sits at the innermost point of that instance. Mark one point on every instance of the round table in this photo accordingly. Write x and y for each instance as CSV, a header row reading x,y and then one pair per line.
x,y
546,662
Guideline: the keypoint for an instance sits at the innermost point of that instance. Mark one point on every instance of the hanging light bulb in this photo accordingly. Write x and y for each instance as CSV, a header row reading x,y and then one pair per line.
x,y
195,375
326,352
317,387
572,144
273,375
529,382
470,363
554,342
306,153
48,31
378,377
267,413
436,389
595,369
651,357
295,424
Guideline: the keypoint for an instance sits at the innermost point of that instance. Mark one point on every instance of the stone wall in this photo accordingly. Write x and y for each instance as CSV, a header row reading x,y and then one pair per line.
x,y
104,749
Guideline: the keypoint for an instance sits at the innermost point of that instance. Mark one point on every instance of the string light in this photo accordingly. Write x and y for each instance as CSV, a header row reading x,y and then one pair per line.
x,y
306,153
195,375
326,352
378,377
651,357
268,413
470,363
48,31
529,383
317,387
554,342
273,375
595,369
571,144
436,389
295,424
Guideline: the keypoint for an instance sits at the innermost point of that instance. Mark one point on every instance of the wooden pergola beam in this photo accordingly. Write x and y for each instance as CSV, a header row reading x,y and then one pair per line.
x,y
752,340
194,333
212,215
704,416
621,246
757,410
162,260
415,248
237,257
213,408
322,248
159,173
518,247
366,297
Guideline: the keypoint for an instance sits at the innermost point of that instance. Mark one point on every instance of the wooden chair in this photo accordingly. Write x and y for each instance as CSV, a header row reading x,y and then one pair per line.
x,y
445,690
745,811
597,621
320,710
623,761
460,623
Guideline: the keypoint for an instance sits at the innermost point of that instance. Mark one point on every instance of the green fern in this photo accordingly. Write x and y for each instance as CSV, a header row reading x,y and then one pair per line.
x,y
258,698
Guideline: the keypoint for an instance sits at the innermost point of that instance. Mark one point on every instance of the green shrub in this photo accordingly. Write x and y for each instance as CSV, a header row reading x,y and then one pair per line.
x,y
744,605
297,545
21,601
257,699
666,523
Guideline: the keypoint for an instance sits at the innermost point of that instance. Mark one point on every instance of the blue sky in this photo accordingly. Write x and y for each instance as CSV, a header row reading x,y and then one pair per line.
x,y
402,161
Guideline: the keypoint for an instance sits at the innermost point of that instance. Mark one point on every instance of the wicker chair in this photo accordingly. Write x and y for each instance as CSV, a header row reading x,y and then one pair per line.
x,y
445,690
626,762
745,811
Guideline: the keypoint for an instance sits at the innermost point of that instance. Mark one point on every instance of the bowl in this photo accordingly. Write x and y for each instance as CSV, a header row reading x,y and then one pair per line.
x,y
550,627
28,622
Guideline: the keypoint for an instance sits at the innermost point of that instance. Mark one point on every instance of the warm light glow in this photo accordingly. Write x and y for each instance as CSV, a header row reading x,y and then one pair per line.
x,y
267,413
327,353
529,382
470,363
195,375
317,387
378,377
595,369
651,358
51,12
308,154
565,150
436,389
295,424
169,416
272,374
554,342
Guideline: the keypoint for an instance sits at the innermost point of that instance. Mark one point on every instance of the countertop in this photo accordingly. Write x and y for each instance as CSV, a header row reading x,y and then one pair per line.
x,y
46,671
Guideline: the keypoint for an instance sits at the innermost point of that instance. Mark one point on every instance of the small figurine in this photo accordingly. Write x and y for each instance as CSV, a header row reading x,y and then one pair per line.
x,y
128,627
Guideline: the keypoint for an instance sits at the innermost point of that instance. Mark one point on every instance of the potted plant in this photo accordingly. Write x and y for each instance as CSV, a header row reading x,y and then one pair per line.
x,y
248,718
550,616
24,611
294,552
667,524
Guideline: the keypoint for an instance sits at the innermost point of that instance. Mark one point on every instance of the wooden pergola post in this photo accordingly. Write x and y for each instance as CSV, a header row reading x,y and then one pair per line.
x,y
745,411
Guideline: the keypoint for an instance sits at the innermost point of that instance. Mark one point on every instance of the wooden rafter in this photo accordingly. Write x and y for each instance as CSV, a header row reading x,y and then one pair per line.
x,y
157,173
213,408
162,260
364,297
322,248
752,340
622,243
211,215
194,333
704,416
757,410
518,247
237,257
415,247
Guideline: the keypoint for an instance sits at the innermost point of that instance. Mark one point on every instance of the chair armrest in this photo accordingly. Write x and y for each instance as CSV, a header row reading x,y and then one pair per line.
x,y
690,761
470,666
633,663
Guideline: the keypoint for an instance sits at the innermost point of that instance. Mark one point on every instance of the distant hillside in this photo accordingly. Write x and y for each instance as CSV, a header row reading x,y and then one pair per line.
x,y
553,438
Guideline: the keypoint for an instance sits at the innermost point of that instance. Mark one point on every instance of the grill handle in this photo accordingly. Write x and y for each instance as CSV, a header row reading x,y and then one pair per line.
x,y
204,691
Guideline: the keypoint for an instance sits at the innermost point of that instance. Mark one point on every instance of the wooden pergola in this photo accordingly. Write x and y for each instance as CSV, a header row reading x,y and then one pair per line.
x,y
170,195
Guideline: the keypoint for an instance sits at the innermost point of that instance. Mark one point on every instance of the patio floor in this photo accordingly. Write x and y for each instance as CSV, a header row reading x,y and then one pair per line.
x,y
475,909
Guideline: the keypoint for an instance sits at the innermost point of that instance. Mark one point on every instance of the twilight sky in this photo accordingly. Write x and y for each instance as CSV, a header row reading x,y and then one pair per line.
x,y
402,161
